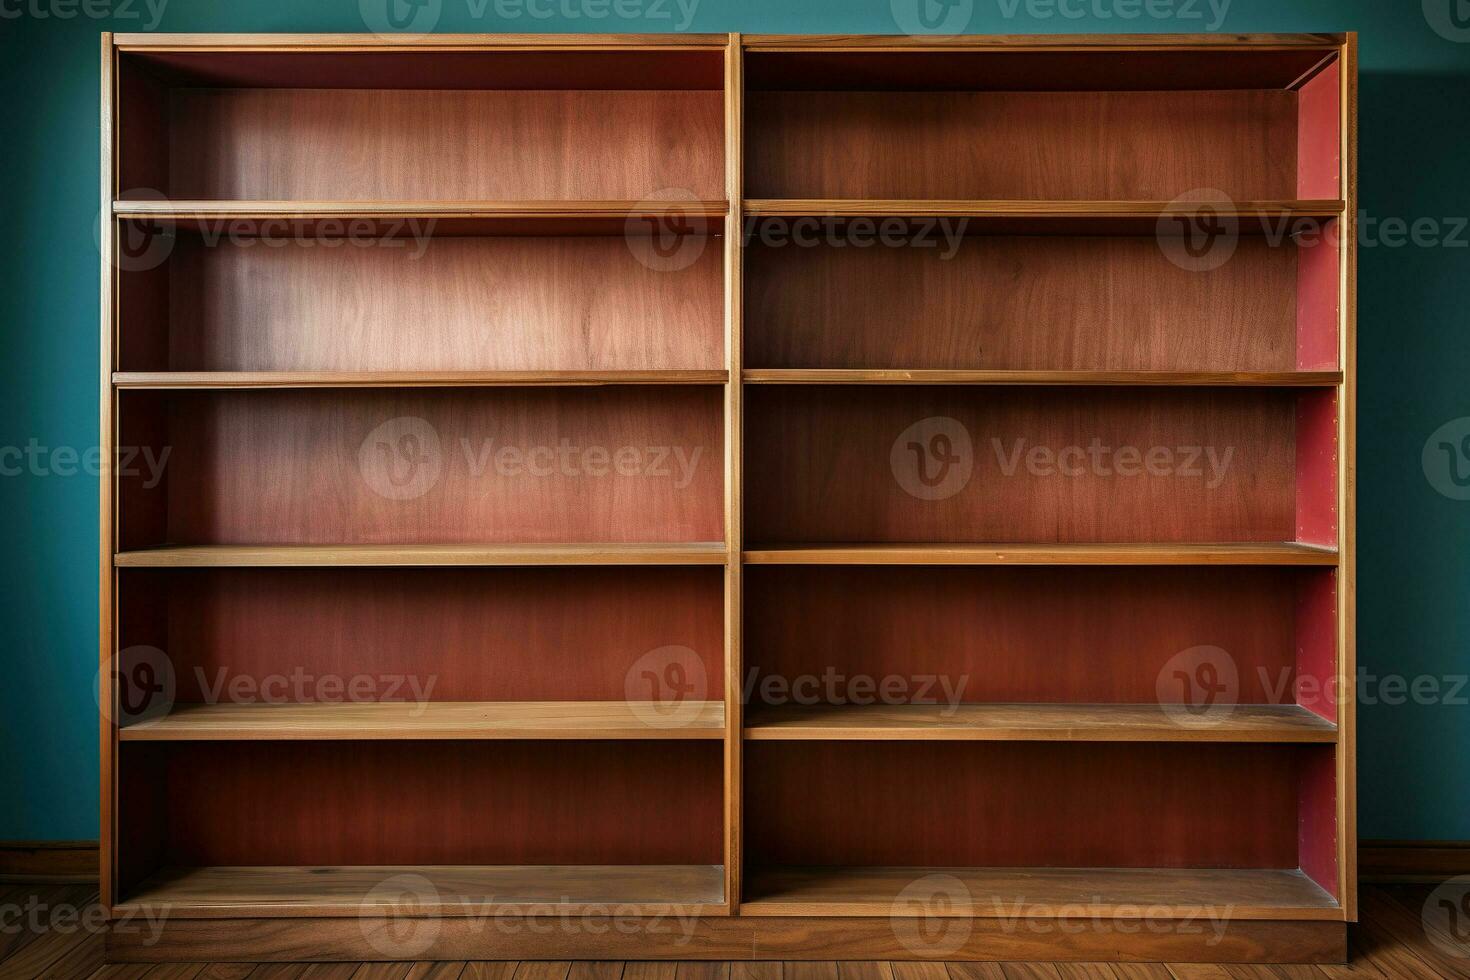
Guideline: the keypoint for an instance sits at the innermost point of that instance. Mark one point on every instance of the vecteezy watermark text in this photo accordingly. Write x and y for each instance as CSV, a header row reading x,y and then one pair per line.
x,y
35,459
1100,459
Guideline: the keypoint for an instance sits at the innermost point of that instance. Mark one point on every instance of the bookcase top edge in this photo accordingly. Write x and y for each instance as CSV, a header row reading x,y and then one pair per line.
x,y
764,42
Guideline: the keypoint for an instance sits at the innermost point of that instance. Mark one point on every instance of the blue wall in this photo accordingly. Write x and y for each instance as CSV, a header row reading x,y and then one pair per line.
x,y
1414,343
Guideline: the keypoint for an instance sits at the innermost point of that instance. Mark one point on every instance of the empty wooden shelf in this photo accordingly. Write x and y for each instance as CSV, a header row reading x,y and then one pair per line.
x,y
240,556
1039,722
1284,379
452,891
432,720
733,496
1076,892
407,379
1265,553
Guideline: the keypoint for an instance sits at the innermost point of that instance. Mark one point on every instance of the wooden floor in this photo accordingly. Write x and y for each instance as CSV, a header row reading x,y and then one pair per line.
x,y
1389,943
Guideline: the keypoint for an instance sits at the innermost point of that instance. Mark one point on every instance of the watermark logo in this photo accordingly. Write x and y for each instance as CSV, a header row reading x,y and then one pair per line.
x,y
663,231
1208,14
137,246
401,459
143,686
1198,231
667,687
933,459
116,10
932,18
1199,687
1450,19
400,18
1446,459
929,916
1446,917
396,917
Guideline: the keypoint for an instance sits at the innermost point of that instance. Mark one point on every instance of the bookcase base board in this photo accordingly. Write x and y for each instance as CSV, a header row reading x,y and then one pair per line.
x,y
549,937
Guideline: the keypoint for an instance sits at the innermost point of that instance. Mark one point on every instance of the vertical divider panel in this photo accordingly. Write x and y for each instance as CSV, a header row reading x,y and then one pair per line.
x,y
1347,574
734,419
106,237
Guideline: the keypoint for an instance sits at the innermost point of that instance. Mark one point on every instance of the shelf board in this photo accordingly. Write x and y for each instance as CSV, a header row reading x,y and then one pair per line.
x,y
875,208
203,893
1258,379
1069,892
1052,217
1035,723
360,721
1267,553
235,556
408,219
407,379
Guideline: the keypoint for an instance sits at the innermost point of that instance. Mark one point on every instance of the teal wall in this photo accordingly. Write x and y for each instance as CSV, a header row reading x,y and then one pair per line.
x,y
1414,343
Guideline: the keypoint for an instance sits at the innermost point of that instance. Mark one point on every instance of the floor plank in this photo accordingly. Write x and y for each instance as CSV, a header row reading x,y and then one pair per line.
x,y
543,970
115,971
756,970
382,971
817,970
975,971
1087,971
176,971
700,970
649,971
1357,967
438,971
1141,971
596,970
1197,971
918,970
331,971
489,970
1398,928
226,971
866,970
1030,971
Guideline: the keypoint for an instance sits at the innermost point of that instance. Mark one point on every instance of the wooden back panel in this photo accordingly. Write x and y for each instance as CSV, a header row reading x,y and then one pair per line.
x,y
1128,146
424,803
319,466
993,804
491,634
829,464
429,303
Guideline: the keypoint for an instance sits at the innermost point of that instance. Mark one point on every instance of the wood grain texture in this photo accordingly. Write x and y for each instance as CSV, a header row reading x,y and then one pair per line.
x,y
477,62
436,720
1038,64
445,145
161,380
735,291
1077,309
222,892
1040,804
421,804
491,634
1039,145
845,465
1279,553
1042,378
796,939
534,466
1285,723
1064,635
1069,892
441,304
406,556
1053,215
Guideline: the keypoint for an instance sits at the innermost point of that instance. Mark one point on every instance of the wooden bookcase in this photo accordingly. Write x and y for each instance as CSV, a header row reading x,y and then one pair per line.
x,y
342,275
